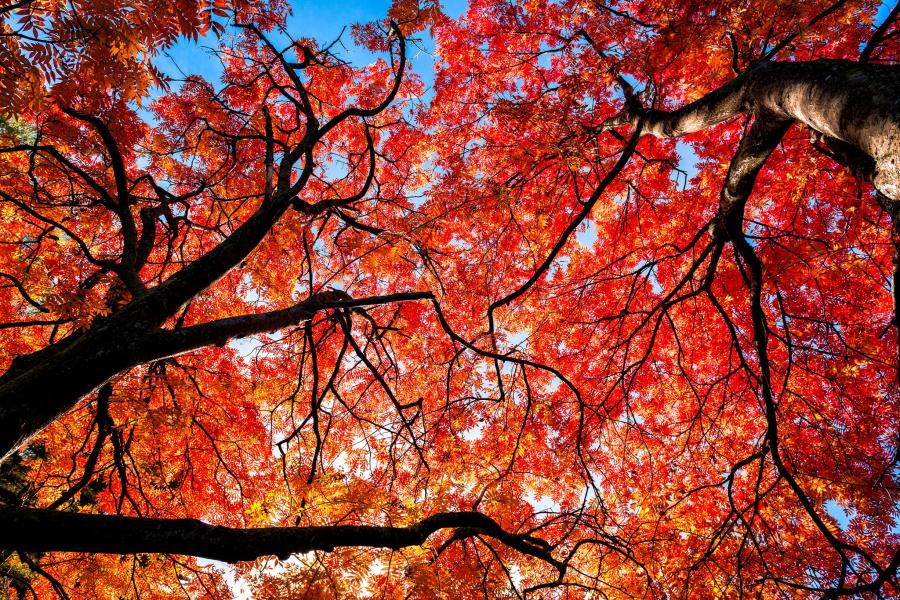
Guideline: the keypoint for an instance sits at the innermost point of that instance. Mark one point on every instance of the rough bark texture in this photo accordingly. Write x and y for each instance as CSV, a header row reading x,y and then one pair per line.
x,y
855,103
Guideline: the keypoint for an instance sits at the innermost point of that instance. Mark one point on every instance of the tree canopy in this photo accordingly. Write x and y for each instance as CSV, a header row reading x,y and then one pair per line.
x,y
601,305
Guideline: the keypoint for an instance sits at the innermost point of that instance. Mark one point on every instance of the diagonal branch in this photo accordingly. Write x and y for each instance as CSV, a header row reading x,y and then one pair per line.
x,y
880,34
163,342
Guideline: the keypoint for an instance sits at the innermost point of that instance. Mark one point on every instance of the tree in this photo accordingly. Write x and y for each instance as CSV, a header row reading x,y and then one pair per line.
x,y
499,336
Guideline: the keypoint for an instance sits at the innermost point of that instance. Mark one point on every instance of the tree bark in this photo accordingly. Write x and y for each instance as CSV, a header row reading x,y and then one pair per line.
x,y
857,104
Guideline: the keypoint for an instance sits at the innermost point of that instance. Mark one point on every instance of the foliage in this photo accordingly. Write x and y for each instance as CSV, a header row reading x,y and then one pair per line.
x,y
492,300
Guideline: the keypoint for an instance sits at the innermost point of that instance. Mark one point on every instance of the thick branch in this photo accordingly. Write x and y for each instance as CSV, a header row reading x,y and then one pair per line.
x,y
41,530
858,104
754,149
713,108
52,384
169,342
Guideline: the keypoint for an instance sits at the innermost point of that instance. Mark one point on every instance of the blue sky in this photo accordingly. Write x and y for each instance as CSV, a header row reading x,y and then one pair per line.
x,y
322,21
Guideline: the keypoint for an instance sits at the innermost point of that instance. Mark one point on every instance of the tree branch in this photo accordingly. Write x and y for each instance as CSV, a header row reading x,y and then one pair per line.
x,y
42,530
879,35
161,343
858,104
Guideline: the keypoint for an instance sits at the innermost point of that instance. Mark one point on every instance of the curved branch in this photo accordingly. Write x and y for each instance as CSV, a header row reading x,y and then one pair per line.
x,y
41,530
858,104
754,149
122,208
18,285
570,229
371,112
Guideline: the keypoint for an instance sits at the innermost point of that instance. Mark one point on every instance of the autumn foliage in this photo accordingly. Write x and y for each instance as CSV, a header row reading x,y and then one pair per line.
x,y
562,357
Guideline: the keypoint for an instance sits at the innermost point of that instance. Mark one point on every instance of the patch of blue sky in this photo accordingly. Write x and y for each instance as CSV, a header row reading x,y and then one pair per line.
x,y
546,54
472,434
542,503
586,234
649,272
839,513
687,161
519,339
323,22
655,285
884,10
